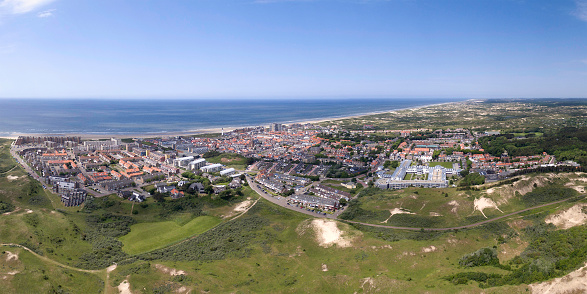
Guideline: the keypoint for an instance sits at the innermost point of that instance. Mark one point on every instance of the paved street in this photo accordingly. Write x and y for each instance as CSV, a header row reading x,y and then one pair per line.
x,y
281,201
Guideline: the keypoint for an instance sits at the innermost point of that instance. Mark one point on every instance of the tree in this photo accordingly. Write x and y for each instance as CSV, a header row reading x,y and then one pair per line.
x,y
159,197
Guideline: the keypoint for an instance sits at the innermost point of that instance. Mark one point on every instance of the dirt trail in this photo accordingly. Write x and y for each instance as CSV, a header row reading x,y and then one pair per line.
x,y
46,259
53,261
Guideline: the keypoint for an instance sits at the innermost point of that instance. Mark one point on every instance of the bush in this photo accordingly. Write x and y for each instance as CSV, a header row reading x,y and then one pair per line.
x,y
6,207
547,194
472,179
481,257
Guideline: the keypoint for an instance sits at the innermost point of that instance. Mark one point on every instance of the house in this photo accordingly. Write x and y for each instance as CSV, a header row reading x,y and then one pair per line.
x,y
137,197
218,188
236,183
211,168
175,194
197,187
314,202
116,185
124,194
74,198
165,189
181,183
227,172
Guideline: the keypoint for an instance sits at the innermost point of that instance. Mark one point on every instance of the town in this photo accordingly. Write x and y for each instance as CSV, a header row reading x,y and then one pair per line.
x,y
307,166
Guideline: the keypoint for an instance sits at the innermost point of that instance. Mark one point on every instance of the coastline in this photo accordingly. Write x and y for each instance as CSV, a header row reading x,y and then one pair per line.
x,y
96,136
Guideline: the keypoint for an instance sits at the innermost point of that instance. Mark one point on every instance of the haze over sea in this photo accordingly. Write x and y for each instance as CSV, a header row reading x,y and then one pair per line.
x,y
93,116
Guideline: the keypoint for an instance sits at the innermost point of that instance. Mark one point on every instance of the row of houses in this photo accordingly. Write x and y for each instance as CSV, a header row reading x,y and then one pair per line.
x,y
331,193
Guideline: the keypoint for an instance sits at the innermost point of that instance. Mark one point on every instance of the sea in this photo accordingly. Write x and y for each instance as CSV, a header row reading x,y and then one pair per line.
x,y
154,116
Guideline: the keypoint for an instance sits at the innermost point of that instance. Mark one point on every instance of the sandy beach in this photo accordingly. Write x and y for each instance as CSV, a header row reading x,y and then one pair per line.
x,y
94,136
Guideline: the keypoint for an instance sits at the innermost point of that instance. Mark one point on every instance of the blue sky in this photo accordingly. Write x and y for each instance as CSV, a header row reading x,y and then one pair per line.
x,y
293,49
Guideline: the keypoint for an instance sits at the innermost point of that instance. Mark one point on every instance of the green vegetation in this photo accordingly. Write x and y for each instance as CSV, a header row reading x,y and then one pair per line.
x,y
6,161
543,195
481,257
272,249
510,116
30,274
6,207
145,237
551,253
566,143
441,163
472,179
236,161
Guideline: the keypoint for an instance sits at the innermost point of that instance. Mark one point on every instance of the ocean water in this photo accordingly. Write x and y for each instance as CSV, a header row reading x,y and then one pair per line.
x,y
93,116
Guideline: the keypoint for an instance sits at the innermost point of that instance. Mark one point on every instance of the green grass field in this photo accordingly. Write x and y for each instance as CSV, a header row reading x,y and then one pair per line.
x,y
230,160
145,237
443,164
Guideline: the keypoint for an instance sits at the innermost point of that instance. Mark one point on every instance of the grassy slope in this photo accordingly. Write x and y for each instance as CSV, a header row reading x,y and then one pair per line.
x,y
34,275
283,256
286,258
145,237
432,208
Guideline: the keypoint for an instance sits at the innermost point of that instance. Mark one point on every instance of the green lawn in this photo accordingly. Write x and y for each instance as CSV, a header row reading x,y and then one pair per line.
x,y
145,237
230,160
443,164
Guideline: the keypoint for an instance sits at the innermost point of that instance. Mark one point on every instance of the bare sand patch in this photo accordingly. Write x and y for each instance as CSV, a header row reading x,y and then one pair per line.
x,y
432,213
169,271
124,287
111,268
324,267
569,218
430,248
406,253
455,205
483,203
580,189
28,211
508,251
396,211
242,206
367,281
11,212
452,241
10,256
328,234
12,178
523,186
575,282
381,247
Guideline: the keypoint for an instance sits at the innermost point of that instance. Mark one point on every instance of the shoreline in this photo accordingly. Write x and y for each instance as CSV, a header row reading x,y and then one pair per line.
x,y
95,136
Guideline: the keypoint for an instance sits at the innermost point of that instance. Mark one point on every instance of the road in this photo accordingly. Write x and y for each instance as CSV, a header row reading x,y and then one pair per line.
x,y
281,201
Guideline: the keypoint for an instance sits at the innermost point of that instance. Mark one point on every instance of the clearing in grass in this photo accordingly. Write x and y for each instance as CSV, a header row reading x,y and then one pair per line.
x,y
144,237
